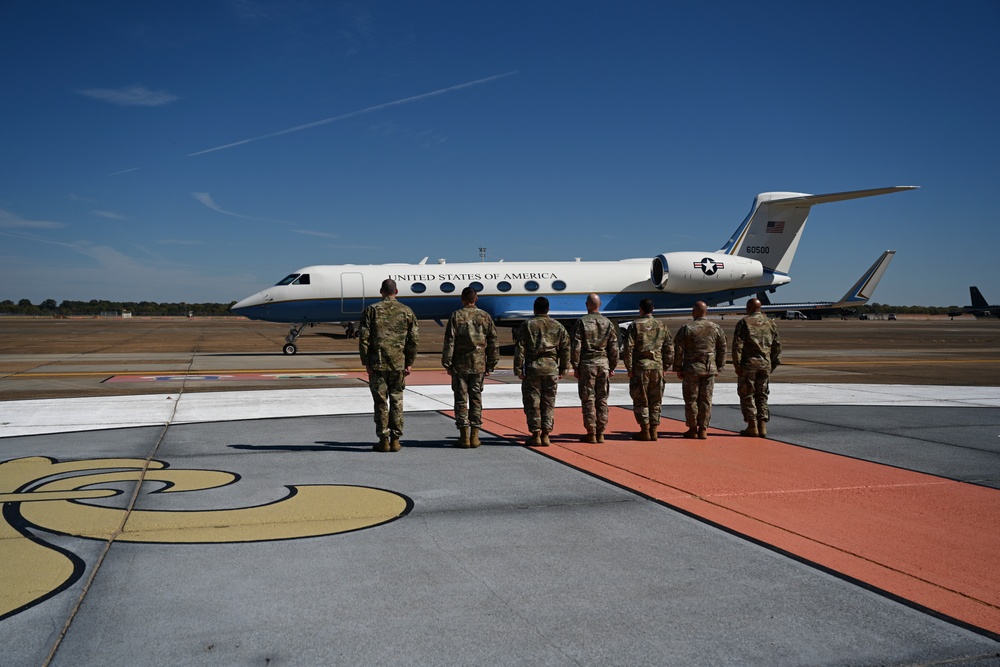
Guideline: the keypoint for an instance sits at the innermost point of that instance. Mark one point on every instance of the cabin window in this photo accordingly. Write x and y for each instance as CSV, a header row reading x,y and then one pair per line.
x,y
448,287
558,285
531,286
478,286
287,280
503,286
302,280
418,288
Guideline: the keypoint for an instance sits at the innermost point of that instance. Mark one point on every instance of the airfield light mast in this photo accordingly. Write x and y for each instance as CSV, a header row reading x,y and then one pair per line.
x,y
482,254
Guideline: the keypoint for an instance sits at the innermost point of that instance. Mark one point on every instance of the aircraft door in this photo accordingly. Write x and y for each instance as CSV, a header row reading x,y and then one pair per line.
x,y
352,293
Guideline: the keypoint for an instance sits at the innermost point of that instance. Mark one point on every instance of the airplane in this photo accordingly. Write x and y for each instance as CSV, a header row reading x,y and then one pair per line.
x,y
757,258
979,307
858,295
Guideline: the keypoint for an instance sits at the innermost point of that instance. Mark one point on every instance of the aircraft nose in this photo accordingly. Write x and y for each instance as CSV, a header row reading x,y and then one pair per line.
x,y
248,307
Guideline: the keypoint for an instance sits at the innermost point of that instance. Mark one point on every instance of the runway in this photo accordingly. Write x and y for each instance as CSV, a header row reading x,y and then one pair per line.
x,y
257,526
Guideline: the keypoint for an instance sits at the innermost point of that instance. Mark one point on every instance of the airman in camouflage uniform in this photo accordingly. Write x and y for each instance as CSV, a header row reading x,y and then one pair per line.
x,y
594,355
756,353
541,356
699,355
648,354
387,341
470,352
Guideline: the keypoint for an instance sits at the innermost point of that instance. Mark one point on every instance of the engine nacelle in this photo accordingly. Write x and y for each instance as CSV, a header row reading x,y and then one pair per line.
x,y
697,272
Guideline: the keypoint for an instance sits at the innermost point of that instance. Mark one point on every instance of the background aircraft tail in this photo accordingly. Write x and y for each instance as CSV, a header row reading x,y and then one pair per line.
x,y
771,233
862,290
978,300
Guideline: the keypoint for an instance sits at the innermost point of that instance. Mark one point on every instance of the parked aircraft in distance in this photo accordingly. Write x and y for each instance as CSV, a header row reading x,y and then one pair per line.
x,y
858,295
756,259
979,307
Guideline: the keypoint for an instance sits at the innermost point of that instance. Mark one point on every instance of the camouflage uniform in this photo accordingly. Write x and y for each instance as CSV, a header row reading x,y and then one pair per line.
x,y
470,350
594,355
541,354
387,341
756,352
700,354
648,353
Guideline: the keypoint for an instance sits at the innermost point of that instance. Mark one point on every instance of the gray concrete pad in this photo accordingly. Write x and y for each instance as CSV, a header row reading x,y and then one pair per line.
x,y
507,557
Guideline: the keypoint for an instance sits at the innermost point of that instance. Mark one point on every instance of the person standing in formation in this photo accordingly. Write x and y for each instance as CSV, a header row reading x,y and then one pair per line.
x,y
541,356
470,353
699,355
387,342
648,355
594,355
756,353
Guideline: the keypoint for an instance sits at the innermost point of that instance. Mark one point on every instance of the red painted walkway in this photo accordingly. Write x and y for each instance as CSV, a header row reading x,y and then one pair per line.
x,y
930,540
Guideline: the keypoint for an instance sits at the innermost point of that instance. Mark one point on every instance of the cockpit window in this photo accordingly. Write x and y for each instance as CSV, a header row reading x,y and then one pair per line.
x,y
295,279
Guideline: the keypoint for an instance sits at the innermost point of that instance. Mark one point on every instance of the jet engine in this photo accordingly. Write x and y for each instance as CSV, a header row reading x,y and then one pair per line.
x,y
697,272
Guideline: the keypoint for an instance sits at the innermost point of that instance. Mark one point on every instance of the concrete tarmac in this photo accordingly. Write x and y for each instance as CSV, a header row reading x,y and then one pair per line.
x,y
248,521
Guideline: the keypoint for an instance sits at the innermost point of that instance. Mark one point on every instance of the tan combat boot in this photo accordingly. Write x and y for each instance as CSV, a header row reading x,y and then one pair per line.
x,y
653,428
751,429
702,433
394,444
642,435
691,433
382,445
762,428
474,437
590,438
535,440
463,438
599,436
545,439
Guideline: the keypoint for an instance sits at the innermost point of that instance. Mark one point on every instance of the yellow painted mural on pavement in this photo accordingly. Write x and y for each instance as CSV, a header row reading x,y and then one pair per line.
x,y
40,493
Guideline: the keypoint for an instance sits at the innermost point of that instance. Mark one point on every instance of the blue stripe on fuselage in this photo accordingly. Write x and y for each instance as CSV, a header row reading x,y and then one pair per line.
x,y
441,307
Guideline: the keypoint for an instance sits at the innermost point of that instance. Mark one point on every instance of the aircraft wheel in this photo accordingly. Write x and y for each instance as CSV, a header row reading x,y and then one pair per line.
x,y
289,348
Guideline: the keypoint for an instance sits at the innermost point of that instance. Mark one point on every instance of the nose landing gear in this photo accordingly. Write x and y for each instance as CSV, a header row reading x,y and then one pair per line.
x,y
293,335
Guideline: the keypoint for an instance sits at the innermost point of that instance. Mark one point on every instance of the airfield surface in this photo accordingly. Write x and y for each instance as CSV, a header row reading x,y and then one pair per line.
x,y
180,491
49,358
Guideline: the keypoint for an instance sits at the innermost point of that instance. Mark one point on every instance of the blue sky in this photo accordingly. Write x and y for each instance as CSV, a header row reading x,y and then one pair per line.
x,y
200,151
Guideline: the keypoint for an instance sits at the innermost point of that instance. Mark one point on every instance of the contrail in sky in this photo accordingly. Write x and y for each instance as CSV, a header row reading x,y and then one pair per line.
x,y
352,114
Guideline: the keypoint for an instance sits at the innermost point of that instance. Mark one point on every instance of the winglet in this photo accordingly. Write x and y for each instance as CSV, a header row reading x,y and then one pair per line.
x,y
862,290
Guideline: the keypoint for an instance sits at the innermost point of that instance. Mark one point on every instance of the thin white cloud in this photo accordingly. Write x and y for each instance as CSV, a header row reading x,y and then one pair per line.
x,y
312,233
110,215
352,114
206,199
123,171
9,220
130,96
109,274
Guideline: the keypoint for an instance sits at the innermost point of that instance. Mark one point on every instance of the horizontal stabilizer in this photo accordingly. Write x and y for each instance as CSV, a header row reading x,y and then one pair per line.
x,y
810,200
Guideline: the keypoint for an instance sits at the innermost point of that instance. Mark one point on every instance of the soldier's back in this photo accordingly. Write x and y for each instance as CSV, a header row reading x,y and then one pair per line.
x,y
592,335
545,342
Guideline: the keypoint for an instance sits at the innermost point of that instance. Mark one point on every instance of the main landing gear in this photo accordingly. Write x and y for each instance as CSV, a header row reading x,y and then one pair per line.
x,y
293,335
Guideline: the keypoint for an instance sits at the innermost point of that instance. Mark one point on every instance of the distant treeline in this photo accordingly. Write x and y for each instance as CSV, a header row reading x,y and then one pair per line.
x,y
153,309
107,308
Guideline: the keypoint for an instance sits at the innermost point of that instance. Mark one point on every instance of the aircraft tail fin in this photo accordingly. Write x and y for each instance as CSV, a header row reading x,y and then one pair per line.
x,y
862,290
773,229
978,300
